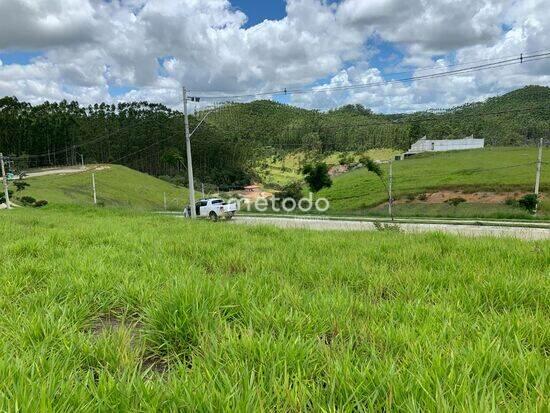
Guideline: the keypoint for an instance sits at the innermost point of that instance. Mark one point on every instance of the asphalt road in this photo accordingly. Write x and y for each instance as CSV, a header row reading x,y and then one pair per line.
x,y
346,225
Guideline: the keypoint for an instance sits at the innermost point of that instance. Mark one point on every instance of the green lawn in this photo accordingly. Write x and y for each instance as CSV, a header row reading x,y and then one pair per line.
x,y
116,185
105,310
490,169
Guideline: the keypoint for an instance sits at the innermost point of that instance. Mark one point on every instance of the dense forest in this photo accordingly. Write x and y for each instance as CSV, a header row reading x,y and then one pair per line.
x,y
150,137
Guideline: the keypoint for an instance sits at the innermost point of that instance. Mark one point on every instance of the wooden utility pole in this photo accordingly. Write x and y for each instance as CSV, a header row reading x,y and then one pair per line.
x,y
5,182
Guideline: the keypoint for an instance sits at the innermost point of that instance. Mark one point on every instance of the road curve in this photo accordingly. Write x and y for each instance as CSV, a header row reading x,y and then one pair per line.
x,y
341,225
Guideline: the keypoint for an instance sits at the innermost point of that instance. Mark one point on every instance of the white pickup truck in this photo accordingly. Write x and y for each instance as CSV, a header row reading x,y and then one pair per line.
x,y
214,209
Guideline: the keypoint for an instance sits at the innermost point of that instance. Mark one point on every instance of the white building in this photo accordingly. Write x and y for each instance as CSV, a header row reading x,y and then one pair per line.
x,y
427,145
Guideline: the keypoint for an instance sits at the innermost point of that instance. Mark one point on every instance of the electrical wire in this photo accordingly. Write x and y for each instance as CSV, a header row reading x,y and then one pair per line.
x,y
497,64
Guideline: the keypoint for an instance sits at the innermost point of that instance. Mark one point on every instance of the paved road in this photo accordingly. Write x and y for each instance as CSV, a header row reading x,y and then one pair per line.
x,y
54,171
341,225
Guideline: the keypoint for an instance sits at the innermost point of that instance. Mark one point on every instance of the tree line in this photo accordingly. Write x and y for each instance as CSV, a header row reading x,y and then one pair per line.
x,y
150,137
144,136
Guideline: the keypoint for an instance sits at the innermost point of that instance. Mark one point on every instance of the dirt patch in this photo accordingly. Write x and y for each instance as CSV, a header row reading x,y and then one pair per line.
x,y
110,323
441,197
338,170
252,196
102,168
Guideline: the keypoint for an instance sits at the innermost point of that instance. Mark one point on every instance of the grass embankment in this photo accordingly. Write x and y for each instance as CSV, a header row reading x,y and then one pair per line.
x,y
490,169
104,310
116,185
288,169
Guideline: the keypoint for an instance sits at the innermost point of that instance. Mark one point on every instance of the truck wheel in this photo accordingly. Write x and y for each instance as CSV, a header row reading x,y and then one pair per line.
x,y
213,217
228,217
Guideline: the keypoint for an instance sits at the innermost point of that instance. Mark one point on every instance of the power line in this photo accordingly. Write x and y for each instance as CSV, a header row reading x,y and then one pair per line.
x,y
486,66
433,175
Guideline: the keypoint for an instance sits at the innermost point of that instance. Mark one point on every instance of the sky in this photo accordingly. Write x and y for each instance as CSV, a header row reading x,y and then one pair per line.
x,y
126,50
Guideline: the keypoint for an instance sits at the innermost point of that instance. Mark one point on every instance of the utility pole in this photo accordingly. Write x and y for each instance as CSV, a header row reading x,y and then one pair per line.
x,y
82,161
390,197
5,182
93,188
202,187
189,159
539,167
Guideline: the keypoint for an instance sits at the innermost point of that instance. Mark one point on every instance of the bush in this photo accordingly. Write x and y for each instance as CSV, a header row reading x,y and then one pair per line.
x,y
317,176
27,200
40,203
455,201
3,196
529,202
372,166
346,159
422,197
292,190
386,227
20,185
511,202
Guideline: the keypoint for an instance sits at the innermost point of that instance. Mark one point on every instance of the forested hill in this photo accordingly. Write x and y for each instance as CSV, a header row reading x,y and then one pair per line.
x,y
517,118
149,137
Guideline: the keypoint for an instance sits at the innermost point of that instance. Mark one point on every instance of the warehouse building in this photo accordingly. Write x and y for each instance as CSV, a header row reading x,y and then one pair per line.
x,y
428,145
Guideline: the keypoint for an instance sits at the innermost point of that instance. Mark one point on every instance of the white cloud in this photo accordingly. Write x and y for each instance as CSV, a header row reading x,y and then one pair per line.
x,y
154,46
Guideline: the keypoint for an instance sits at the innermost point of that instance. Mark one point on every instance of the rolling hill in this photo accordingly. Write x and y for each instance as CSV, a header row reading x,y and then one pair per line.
x,y
116,185
497,170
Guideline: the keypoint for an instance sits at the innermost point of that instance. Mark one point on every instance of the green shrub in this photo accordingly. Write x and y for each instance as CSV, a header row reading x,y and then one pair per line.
x,y
386,227
529,202
511,202
40,203
346,159
27,200
20,185
317,176
3,197
292,190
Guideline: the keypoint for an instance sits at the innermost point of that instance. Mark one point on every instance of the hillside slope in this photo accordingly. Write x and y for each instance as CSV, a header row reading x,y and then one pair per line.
x,y
515,118
116,185
490,169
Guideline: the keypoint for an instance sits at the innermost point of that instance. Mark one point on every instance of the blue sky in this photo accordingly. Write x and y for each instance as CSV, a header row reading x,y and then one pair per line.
x,y
260,10
94,51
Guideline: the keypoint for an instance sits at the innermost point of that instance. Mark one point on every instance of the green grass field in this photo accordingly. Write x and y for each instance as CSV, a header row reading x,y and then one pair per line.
x,y
287,169
490,169
107,310
116,186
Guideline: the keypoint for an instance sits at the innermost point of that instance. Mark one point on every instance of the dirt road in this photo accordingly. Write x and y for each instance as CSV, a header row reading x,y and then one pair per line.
x,y
341,225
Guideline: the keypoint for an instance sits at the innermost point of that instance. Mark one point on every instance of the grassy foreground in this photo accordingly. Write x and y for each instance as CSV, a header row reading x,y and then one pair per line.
x,y
116,185
104,310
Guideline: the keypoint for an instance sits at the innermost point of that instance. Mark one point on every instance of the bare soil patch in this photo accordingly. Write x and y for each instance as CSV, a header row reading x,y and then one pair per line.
x,y
111,323
481,197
